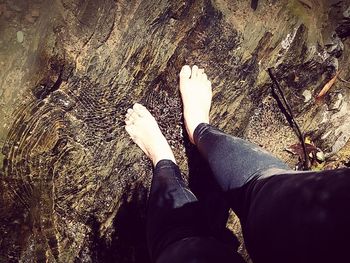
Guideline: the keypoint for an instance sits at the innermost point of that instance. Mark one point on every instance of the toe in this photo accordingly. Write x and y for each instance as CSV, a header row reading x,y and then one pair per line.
x,y
185,72
194,71
128,114
138,106
204,76
128,122
134,116
140,109
129,130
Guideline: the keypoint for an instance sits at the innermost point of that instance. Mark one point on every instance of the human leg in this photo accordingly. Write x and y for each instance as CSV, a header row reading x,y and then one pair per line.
x,y
299,217
173,211
168,190
233,161
174,218
144,131
286,216
292,216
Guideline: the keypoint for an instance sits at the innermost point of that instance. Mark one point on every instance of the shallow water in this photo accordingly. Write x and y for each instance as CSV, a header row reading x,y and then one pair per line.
x,y
73,186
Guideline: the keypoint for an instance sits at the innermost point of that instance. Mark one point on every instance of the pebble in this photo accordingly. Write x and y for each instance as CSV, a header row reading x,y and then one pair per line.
x,y
20,36
307,95
336,101
346,13
35,13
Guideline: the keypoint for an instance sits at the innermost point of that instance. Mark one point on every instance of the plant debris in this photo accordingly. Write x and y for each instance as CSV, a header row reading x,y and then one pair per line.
x,y
328,85
315,154
290,117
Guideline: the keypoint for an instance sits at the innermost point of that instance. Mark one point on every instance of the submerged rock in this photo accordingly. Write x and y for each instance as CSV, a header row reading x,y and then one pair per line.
x,y
20,36
73,186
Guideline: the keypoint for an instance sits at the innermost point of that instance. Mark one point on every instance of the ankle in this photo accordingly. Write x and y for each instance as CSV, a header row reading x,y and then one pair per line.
x,y
193,126
156,159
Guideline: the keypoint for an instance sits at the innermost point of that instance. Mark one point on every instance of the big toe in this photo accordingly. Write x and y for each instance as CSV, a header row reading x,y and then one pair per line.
x,y
140,110
185,72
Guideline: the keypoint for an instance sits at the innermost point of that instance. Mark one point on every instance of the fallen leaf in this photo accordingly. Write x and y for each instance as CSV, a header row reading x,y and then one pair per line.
x,y
297,149
307,139
320,156
328,85
316,166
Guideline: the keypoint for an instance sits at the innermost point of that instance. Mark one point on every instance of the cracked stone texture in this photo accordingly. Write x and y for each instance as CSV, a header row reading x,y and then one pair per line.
x,y
73,186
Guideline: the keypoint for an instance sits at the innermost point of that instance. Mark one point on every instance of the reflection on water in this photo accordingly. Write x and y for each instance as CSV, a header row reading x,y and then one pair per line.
x,y
61,192
21,31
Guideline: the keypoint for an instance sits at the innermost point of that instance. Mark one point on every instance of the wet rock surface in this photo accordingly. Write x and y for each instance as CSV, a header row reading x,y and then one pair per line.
x,y
73,186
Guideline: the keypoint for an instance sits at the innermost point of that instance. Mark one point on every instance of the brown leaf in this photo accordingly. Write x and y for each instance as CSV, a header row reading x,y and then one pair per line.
x,y
297,149
328,85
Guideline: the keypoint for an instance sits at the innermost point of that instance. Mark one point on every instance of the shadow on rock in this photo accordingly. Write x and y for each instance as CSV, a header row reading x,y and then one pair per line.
x,y
128,242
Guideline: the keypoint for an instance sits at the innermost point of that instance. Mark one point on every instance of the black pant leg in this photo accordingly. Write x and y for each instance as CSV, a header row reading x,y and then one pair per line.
x,y
299,217
176,229
233,161
173,210
286,216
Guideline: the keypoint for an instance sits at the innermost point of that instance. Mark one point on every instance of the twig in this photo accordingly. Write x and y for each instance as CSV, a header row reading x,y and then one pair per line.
x,y
297,129
345,81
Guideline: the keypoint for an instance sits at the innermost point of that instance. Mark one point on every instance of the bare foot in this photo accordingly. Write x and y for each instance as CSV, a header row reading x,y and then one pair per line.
x,y
196,96
144,131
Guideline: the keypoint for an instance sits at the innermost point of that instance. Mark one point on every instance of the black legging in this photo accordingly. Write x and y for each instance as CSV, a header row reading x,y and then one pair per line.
x,y
286,216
